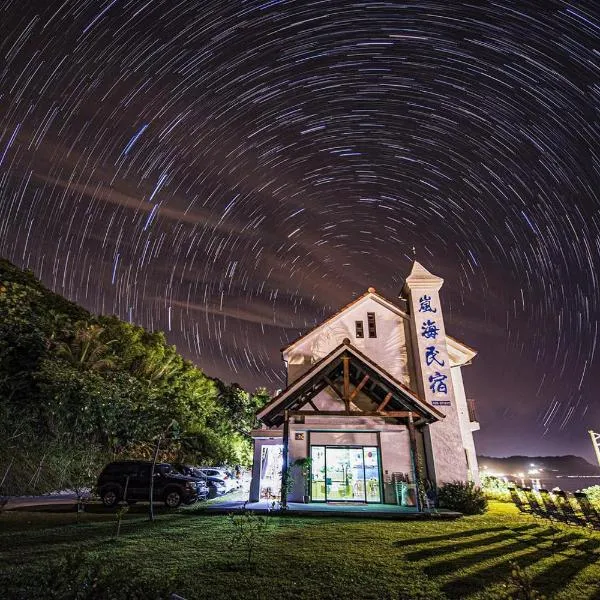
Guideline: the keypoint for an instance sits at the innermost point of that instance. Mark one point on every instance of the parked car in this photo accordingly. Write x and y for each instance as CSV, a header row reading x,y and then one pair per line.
x,y
230,481
203,488
217,486
170,486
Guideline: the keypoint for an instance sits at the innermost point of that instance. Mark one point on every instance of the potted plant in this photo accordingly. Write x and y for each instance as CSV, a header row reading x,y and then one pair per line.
x,y
304,465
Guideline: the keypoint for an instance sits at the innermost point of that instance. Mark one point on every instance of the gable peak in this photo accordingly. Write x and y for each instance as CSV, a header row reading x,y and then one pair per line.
x,y
419,276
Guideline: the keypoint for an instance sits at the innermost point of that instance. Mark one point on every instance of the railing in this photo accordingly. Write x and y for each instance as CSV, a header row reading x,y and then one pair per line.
x,y
471,407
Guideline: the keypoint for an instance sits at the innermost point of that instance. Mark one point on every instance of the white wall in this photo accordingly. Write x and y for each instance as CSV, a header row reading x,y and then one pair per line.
x,y
395,458
465,424
388,349
327,399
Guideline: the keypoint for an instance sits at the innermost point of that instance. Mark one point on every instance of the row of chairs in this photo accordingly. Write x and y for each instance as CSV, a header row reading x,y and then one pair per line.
x,y
557,506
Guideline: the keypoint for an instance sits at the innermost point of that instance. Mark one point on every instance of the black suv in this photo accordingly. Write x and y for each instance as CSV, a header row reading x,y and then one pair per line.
x,y
169,486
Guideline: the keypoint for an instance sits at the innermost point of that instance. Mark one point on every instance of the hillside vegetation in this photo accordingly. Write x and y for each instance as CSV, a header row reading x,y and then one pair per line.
x,y
77,389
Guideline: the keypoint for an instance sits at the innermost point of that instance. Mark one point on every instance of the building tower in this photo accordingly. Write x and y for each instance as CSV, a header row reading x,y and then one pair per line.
x,y
449,442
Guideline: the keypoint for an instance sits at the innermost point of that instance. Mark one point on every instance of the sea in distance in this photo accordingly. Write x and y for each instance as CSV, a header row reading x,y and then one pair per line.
x,y
569,483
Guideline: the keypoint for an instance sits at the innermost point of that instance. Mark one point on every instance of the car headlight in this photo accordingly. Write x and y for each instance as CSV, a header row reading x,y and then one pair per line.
x,y
190,485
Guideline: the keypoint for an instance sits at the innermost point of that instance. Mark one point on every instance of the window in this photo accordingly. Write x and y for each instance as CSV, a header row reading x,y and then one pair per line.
x,y
371,322
345,473
360,329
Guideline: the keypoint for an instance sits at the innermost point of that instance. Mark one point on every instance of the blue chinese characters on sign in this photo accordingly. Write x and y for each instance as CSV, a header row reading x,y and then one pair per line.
x,y
429,329
425,304
437,383
431,356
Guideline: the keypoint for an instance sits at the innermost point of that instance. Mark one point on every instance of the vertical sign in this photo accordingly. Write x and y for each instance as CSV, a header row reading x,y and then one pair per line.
x,y
434,380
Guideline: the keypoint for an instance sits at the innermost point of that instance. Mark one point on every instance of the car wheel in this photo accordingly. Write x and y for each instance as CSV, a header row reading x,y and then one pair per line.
x,y
173,498
110,497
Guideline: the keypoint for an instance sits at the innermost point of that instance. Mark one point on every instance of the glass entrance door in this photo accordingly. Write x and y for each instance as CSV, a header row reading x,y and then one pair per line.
x,y
345,474
344,470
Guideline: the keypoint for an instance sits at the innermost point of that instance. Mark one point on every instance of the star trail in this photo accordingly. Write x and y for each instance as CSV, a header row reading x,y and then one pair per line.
x,y
233,172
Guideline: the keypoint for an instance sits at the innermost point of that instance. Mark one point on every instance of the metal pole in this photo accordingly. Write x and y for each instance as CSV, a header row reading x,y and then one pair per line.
x,y
285,468
595,441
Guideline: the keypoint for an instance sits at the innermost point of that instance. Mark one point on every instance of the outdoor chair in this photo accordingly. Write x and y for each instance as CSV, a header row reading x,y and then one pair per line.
x,y
589,512
552,509
571,517
537,510
518,501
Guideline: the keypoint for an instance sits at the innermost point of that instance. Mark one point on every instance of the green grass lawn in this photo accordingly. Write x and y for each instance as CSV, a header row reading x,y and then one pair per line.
x,y
188,553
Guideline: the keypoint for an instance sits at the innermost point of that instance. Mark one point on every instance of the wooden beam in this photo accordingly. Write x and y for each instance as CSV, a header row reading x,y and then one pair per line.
x,y
395,414
346,361
333,387
387,398
400,414
313,405
359,387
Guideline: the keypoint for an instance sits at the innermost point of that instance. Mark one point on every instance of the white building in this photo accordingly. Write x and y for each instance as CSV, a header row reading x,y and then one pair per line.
x,y
375,394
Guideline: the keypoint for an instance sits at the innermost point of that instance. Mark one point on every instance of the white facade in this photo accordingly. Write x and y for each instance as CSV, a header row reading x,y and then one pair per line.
x,y
389,349
356,384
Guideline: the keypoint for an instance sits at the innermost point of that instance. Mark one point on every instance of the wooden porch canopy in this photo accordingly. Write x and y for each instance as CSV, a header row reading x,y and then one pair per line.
x,y
347,372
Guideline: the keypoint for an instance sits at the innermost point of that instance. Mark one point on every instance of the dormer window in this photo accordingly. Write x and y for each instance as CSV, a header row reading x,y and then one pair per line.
x,y
360,329
371,323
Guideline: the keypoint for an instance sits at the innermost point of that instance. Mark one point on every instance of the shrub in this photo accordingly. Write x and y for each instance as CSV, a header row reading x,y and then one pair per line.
x,y
463,497
593,493
495,488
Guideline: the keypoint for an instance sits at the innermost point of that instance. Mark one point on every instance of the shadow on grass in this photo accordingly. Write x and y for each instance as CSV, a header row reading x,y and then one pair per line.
x,y
526,548
453,547
571,561
458,535
35,532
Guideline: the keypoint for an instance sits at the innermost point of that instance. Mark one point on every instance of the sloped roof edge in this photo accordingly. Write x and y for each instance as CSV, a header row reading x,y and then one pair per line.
x,y
460,353
296,385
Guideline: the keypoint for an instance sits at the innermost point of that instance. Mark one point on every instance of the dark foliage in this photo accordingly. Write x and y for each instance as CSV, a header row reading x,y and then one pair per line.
x,y
463,497
69,378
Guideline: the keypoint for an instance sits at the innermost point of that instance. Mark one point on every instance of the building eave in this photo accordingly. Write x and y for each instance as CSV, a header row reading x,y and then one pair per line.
x,y
460,354
296,386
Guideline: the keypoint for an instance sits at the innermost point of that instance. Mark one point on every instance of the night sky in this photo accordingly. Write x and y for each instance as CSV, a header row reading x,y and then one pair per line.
x,y
233,172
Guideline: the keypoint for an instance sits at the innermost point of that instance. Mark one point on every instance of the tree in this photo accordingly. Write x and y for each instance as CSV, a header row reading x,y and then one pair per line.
x,y
105,381
87,348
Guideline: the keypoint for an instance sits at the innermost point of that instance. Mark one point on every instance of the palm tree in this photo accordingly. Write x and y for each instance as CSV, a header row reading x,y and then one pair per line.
x,y
87,349
154,369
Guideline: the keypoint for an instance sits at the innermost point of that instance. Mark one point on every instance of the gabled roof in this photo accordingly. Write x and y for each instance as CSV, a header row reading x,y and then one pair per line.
x,y
370,293
460,353
314,380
